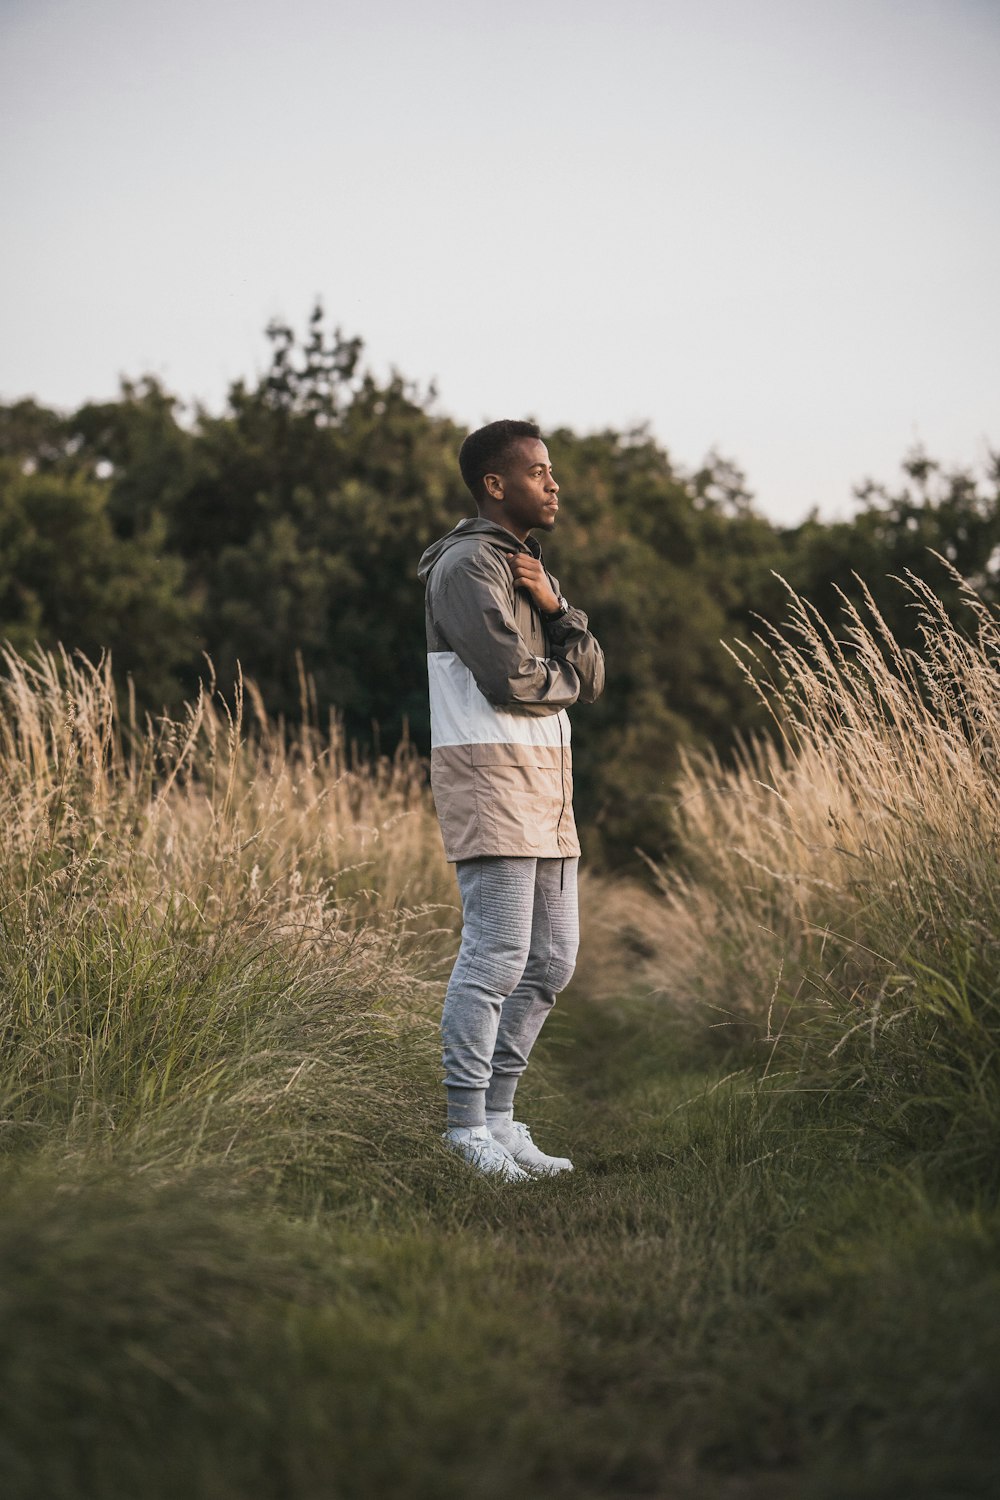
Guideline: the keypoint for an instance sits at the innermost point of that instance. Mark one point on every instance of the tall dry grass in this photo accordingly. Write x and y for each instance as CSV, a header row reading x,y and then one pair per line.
x,y
215,1019
216,941
841,885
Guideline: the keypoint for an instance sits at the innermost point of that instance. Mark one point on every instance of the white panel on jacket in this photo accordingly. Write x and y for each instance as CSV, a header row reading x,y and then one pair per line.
x,y
461,715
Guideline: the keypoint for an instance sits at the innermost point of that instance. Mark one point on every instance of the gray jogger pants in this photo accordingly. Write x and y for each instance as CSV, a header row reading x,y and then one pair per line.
x,y
520,934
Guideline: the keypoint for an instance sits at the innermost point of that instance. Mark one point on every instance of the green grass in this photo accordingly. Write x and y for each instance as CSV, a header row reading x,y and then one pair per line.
x,y
724,1299
236,1262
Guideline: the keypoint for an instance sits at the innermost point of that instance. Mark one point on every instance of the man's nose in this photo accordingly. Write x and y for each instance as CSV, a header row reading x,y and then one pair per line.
x,y
551,485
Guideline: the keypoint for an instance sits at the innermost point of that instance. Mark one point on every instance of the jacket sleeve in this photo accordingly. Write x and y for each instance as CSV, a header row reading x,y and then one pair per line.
x,y
474,611
571,641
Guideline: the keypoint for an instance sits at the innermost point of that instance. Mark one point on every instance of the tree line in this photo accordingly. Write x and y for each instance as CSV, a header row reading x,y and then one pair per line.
x,y
283,534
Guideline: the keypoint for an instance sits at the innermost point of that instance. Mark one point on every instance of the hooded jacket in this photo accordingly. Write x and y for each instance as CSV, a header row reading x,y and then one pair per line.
x,y
501,679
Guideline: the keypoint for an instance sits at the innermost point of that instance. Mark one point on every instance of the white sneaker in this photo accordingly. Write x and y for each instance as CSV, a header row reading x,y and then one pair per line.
x,y
515,1138
482,1151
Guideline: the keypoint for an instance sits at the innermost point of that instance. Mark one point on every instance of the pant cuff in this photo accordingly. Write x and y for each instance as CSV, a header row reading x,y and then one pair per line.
x,y
500,1094
466,1106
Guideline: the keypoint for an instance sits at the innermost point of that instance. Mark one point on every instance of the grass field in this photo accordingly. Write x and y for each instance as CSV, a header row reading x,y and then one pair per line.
x,y
236,1262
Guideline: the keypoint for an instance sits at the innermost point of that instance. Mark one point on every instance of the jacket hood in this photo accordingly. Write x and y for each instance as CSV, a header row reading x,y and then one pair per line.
x,y
473,526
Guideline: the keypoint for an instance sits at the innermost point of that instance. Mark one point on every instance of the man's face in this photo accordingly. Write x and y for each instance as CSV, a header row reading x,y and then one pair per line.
x,y
527,488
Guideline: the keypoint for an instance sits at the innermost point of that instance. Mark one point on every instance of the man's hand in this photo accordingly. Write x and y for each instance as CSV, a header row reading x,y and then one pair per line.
x,y
529,574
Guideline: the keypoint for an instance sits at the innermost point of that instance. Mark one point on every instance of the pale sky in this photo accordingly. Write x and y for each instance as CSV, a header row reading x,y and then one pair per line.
x,y
767,226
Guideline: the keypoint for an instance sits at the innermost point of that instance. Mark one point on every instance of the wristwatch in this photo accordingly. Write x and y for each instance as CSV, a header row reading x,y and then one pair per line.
x,y
557,614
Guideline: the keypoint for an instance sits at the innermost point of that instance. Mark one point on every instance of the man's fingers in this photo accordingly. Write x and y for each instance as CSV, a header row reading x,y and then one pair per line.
x,y
529,574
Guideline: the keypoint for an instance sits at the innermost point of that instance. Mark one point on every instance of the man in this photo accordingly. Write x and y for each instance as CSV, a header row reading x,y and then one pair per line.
x,y
506,657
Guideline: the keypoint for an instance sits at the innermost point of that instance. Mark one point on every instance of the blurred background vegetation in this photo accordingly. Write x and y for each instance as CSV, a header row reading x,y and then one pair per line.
x,y
283,534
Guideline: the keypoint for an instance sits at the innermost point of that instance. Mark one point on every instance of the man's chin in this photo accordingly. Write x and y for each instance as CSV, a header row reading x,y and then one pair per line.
x,y
549,525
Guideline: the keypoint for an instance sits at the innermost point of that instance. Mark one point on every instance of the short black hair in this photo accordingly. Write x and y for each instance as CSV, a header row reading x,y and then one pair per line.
x,y
486,450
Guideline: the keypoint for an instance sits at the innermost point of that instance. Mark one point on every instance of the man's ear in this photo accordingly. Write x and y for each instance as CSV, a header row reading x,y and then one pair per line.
x,y
493,484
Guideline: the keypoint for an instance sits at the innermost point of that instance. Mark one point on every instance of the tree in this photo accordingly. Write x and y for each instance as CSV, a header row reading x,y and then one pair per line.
x,y
949,512
286,529
65,577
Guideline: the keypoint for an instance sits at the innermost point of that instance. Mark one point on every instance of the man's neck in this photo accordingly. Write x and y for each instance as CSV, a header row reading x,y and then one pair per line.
x,y
485,515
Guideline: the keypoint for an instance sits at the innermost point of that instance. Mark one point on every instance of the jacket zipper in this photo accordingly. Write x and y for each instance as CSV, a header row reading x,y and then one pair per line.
x,y
562,809
562,788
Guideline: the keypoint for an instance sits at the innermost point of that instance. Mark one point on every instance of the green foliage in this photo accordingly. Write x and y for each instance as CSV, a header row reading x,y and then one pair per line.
x,y
895,533
66,575
282,535
634,547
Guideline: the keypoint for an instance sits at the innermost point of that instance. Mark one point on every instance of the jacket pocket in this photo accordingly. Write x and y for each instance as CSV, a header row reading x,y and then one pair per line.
x,y
523,788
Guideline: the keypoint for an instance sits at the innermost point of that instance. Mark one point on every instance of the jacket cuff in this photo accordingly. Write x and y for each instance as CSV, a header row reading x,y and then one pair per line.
x,y
573,622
